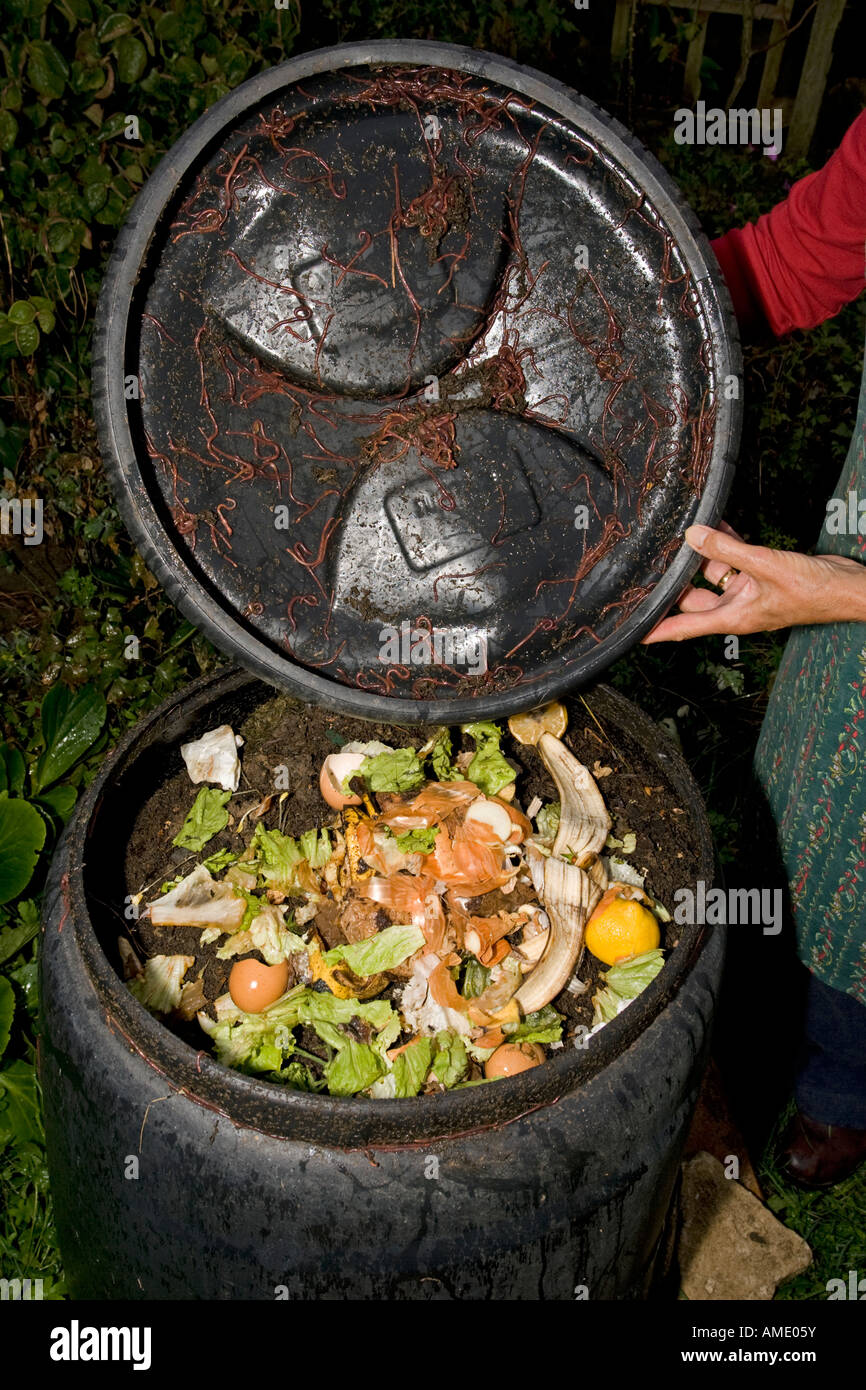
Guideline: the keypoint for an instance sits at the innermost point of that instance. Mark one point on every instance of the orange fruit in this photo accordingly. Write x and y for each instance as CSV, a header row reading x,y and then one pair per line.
x,y
548,719
621,928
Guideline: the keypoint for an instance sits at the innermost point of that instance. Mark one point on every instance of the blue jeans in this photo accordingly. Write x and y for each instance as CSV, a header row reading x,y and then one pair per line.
x,y
831,1080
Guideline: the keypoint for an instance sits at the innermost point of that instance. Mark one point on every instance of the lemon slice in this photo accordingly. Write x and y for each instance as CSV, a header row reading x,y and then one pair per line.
x,y
549,719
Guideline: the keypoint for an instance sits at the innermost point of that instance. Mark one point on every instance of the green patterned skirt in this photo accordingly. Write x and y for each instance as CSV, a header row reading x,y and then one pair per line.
x,y
811,762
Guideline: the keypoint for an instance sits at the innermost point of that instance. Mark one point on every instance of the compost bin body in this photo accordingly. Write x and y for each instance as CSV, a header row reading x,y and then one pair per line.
x,y
174,1177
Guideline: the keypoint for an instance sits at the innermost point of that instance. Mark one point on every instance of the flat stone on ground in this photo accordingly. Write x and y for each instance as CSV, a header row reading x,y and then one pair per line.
x,y
731,1246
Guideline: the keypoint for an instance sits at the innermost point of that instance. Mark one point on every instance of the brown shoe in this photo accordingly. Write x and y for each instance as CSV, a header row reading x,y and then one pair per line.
x,y
819,1155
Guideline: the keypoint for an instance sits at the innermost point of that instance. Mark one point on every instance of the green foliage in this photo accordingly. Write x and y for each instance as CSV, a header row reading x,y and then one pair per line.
x,y
22,835
20,325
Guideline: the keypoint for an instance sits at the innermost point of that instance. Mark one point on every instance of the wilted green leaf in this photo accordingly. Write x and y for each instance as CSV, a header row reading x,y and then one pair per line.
x,y
14,939
450,1061
19,1105
46,69
22,835
207,817
21,312
60,799
411,1067
7,1012
60,237
387,949
131,59
8,130
12,769
70,724
114,26
355,1067
27,338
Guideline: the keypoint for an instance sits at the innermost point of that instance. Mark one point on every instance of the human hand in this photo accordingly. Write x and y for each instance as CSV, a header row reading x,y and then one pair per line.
x,y
768,589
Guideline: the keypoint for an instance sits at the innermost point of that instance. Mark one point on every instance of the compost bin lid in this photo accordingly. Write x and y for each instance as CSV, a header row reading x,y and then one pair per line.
x,y
411,368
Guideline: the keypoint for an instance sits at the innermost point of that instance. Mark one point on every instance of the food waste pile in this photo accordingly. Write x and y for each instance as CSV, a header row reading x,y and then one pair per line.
x,y
419,936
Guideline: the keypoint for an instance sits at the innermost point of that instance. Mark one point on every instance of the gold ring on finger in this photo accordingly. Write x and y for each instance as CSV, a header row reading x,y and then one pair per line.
x,y
726,578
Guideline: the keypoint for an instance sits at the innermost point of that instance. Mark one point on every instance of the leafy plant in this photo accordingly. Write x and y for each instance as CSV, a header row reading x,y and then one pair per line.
x,y
71,725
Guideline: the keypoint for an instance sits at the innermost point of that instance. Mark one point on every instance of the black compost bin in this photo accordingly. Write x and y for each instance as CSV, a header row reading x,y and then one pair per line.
x,y
398,338
174,1177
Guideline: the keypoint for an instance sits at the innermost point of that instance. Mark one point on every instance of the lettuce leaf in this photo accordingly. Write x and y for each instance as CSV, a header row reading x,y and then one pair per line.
x,y
387,948
624,982
219,861
315,847
440,758
313,1005
280,854
355,1067
418,841
411,1067
244,1040
488,769
547,820
262,1042
450,1061
270,935
329,1033
207,818
630,977
158,988
543,1026
299,1077
399,771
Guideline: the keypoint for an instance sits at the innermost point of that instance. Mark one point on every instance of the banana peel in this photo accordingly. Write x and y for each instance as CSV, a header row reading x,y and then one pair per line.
x,y
584,823
574,875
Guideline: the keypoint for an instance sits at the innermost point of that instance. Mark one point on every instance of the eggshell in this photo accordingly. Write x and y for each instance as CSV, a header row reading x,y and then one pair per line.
x,y
511,1058
335,768
254,986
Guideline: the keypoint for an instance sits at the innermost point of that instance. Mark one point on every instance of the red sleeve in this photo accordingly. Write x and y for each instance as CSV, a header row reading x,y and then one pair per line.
x,y
800,263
